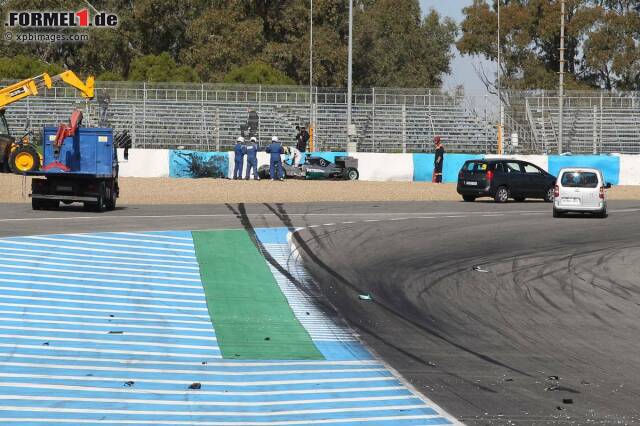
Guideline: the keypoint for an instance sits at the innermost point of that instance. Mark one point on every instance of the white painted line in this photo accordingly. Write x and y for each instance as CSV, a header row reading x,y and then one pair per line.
x,y
373,220
210,364
455,216
59,254
116,237
232,215
211,338
111,325
203,403
93,302
54,247
93,243
218,413
98,273
493,215
158,315
328,224
200,392
109,268
208,383
100,280
197,293
102,316
196,301
127,370
109,342
158,236
354,420
109,351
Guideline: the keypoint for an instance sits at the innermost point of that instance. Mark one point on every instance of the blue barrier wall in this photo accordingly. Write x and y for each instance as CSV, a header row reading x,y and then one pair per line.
x,y
423,166
196,164
608,164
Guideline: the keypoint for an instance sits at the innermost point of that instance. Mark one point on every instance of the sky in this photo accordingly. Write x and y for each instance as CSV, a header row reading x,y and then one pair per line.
x,y
462,68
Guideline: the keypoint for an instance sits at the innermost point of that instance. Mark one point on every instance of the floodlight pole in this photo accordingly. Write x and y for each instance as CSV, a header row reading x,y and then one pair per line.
x,y
311,123
561,85
500,108
351,146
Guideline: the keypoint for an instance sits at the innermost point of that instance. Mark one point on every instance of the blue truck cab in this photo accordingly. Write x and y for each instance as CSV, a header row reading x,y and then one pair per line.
x,y
84,170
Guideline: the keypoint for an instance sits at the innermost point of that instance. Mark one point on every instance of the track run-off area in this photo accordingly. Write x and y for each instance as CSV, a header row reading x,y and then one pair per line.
x,y
484,313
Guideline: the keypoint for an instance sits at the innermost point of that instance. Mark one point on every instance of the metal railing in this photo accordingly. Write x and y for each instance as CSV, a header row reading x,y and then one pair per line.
x,y
209,116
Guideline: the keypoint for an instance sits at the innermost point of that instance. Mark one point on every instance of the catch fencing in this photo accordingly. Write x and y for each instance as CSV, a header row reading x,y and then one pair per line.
x,y
209,117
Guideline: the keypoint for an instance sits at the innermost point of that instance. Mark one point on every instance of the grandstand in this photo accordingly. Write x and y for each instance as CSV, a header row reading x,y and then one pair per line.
x,y
208,117
592,123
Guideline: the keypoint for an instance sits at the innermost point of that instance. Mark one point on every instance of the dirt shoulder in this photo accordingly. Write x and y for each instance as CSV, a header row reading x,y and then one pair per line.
x,y
15,189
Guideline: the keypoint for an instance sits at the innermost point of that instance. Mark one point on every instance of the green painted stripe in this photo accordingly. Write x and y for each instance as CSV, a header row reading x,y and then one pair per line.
x,y
251,316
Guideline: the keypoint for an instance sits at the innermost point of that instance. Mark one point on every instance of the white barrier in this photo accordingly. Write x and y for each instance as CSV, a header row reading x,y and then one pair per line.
x,y
144,163
371,166
629,170
384,167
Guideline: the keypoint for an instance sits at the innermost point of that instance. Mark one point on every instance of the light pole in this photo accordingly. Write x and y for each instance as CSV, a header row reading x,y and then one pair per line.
x,y
311,123
561,84
351,146
500,106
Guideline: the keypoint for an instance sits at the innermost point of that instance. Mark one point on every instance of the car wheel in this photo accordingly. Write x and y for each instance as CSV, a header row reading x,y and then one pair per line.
x,y
352,174
502,195
602,214
469,198
549,196
556,213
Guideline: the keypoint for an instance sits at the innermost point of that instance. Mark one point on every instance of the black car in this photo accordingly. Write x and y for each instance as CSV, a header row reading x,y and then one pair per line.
x,y
502,179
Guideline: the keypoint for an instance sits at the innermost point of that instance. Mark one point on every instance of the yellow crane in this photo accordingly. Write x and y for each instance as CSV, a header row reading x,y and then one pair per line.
x,y
18,155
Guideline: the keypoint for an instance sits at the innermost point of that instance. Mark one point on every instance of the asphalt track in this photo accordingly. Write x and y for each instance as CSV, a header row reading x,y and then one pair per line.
x,y
547,335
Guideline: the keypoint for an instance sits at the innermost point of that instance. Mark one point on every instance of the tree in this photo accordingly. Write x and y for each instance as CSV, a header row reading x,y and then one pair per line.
x,y
21,66
601,40
160,68
395,47
257,73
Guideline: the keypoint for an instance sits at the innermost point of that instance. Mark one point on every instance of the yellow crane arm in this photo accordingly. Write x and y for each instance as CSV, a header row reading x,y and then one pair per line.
x,y
31,87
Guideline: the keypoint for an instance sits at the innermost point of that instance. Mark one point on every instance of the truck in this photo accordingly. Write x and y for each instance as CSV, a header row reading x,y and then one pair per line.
x,y
79,164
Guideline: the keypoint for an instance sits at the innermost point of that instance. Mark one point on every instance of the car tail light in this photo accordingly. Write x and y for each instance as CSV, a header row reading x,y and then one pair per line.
x,y
490,175
602,192
460,175
556,191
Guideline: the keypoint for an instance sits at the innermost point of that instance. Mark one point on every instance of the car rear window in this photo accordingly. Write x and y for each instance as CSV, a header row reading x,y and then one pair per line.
x,y
579,179
476,166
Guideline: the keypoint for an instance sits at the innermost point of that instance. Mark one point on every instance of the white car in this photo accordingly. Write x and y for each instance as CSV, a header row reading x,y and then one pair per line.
x,y
580,190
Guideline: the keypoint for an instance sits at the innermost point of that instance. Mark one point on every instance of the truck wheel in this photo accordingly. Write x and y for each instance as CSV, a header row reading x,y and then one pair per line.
x,y
110,196
23,159
351,173
99,205
469,198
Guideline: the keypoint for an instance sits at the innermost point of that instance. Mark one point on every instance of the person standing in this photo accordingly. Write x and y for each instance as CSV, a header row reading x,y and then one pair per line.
x,y
301,146
438,161
251,149
238,150
275,161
